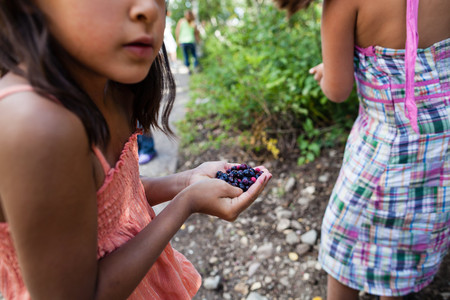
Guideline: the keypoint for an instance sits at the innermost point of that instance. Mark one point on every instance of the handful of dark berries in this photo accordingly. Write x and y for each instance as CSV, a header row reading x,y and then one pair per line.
x,y
241,176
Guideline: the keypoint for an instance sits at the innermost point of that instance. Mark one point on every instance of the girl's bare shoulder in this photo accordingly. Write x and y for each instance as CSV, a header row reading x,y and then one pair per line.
x,y
28,119
383,23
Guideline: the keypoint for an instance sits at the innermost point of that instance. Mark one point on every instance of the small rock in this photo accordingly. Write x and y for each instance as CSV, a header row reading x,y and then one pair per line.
x,y
302,249
244,241
293,256
309,238
324,178
304,201
292,272
255,296
296,225
219,232
310,264
211,283
265,251
283,214
252,269
241,288
318,266
292,238
310,190
445,295
256,286
289,185
284,281
268,279
241,232
278,249
306,276
213,260
283,224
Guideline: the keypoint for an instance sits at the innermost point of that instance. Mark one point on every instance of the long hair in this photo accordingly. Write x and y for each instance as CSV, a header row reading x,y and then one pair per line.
x,y
25,39
189,16
292,6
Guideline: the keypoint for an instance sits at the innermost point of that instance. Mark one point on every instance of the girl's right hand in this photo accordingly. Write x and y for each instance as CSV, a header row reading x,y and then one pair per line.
x,y
217,198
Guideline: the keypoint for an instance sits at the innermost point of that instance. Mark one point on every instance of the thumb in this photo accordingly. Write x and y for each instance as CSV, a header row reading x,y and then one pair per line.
x,y
235,192
227,190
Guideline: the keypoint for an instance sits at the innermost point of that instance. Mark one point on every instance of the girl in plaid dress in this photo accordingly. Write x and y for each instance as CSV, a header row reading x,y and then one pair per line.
x,y
387,225
386,229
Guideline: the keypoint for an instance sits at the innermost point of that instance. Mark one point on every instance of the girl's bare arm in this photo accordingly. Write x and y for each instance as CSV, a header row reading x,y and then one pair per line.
x,y
338,28
162,189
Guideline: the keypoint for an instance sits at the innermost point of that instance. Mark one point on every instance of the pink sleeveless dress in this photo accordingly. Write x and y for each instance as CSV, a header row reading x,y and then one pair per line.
x,y
123,211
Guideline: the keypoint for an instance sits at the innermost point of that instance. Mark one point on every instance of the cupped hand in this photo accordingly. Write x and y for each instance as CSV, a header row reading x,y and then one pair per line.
x,y
317,71
208,170
217,198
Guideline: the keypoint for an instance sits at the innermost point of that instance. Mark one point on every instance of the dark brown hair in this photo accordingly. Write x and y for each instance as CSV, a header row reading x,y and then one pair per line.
x,y
25,38
292,6
189,16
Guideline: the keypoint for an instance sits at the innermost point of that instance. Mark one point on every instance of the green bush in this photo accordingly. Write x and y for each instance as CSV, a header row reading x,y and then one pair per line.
x,y
257,88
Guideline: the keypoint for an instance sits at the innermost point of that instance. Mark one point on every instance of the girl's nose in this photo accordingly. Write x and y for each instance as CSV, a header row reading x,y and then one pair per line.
x,y
145,10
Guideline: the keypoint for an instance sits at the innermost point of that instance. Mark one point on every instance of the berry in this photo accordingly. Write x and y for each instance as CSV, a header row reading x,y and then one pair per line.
x,y
242,176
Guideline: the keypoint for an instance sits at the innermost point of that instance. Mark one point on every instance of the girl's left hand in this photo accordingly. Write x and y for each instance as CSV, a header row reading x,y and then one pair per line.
x,y
208,170
317,71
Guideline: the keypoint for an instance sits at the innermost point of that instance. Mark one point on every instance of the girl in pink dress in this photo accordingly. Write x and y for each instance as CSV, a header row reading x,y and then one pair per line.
x,y
75,216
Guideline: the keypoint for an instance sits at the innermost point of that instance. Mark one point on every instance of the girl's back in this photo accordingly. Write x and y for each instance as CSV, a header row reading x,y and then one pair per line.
x,y
382,23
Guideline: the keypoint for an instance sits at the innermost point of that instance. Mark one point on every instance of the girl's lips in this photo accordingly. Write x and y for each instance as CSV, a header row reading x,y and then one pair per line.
x,y
141,47
140,50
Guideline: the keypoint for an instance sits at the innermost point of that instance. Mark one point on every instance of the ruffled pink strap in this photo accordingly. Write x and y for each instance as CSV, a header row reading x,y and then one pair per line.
x,y
412,39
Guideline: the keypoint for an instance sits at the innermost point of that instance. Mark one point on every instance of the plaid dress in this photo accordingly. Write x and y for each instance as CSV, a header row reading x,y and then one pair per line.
x,y
387,225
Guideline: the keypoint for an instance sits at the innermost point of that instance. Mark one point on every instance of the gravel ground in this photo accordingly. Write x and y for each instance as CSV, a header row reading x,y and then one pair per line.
x,y
270,251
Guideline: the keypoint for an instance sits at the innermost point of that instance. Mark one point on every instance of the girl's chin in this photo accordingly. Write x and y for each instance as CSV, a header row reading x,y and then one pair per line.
x,y
130,80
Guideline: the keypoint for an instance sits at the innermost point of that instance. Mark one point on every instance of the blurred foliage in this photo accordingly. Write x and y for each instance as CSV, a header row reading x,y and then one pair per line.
x,y
255,86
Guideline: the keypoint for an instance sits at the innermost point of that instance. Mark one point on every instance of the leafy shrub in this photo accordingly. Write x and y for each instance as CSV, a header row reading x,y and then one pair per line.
x,y
256,87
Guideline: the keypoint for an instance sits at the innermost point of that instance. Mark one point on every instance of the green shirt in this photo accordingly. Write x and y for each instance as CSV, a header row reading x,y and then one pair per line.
x,y
187,33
